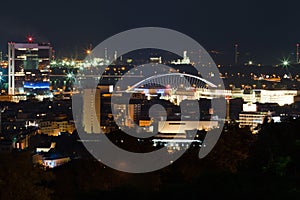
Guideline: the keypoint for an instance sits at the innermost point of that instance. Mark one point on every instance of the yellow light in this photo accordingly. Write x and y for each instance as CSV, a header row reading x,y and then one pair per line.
x,y
106,95
88,51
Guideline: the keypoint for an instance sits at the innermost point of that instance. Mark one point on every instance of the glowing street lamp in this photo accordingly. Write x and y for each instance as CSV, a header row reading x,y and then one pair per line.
x,y
285,62
70,75
71,79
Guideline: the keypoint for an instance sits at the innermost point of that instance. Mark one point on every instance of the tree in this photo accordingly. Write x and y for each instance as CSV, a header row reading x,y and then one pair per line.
x,y
231,149
19,179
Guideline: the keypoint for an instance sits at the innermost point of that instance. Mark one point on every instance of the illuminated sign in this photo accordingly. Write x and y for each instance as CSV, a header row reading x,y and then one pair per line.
x,y
37,85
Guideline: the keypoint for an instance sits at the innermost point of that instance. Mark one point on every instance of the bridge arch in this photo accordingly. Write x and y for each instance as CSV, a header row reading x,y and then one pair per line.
x,y
162,76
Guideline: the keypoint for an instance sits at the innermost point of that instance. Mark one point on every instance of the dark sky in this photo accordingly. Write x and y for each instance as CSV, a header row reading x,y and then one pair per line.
x,y
266,31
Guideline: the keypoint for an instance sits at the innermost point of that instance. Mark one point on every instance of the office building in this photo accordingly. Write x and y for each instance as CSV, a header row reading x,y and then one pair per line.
x,y
28,68
91,110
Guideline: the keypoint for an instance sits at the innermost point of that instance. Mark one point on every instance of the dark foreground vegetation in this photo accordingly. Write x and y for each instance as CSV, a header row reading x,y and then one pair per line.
x,y
241,166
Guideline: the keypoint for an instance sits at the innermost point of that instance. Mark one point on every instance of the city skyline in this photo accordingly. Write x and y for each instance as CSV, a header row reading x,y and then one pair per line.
x,y
147,99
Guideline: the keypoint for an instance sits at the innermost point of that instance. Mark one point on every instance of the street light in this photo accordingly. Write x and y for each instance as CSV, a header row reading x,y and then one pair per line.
x,y
70,75
71,78
285,62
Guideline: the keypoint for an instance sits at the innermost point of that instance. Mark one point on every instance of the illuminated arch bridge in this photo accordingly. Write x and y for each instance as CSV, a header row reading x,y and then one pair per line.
x,y
172,80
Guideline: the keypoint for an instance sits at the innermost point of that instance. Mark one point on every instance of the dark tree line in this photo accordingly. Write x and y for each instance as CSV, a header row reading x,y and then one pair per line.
x,y
241,165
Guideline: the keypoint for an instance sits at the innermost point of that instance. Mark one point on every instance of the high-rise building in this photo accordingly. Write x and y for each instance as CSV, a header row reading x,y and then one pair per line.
x,y
91,110
28,67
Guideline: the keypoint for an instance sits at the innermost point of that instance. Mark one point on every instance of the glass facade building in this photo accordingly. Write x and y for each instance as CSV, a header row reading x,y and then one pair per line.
x,y
28,68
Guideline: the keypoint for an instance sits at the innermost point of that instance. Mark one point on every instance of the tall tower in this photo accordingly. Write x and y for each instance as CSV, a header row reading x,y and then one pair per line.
x,y
227,98
236,53
115,55
105,54
91,110
297,53
11,68
184,54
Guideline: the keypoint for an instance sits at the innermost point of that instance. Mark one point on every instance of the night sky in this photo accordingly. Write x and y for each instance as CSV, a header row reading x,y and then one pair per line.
x,y
266,31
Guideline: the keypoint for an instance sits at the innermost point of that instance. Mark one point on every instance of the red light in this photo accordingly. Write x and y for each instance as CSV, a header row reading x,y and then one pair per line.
x,y
30,39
